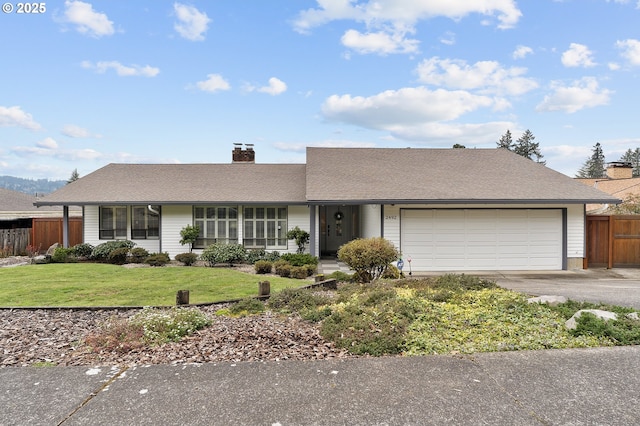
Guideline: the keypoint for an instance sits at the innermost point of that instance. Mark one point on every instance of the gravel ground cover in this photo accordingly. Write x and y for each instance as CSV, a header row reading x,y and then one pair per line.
x,y
56,337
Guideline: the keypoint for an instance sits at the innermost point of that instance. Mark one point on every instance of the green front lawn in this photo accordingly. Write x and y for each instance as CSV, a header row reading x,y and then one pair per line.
x,y
96,284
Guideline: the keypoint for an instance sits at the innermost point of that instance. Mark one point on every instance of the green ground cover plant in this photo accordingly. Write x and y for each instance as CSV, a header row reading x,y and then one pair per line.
x,y
99,284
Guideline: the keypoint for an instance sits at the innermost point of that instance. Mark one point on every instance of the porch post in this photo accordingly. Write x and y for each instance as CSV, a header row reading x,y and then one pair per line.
x,y
313,235
65,226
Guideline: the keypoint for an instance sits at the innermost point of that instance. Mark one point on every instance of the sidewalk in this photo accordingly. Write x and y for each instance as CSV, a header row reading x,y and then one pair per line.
x,y
556,387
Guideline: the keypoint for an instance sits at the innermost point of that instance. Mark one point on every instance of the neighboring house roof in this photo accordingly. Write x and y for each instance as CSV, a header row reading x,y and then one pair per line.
x,y
185,184
18,205
337,175
411,175
619,188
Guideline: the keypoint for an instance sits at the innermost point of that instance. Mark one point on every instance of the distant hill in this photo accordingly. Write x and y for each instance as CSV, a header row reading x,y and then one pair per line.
x,y
31,186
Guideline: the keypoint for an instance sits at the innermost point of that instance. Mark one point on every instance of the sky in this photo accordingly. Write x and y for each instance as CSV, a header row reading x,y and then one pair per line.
x,y
88,83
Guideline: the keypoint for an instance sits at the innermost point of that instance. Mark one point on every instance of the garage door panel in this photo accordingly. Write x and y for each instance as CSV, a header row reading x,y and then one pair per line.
x,y
482,239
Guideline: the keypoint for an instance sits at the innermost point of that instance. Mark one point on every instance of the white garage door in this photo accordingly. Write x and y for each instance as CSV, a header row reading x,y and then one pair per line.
x,y
482,239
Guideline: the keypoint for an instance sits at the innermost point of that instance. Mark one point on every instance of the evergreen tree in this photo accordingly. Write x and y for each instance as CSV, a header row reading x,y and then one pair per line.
x,y
526,147
506,141
594,167
458,146
74,176
632,157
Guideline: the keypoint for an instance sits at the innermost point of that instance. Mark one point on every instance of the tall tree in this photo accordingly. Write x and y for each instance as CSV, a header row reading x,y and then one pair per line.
x,y
458,146
506,141
526,147
633,157
74,176
594,167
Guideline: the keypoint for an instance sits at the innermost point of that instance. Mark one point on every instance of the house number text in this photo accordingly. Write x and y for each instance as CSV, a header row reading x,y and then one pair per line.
x,y
393,217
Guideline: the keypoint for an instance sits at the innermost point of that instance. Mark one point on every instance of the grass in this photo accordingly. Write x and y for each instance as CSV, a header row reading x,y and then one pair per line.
x,y
95,284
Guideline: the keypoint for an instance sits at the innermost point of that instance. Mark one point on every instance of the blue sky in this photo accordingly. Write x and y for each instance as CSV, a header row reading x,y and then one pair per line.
x,y
87,83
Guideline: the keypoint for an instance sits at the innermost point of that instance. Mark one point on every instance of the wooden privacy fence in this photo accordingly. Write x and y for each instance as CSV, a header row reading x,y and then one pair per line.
x,y
47,231
14,241
613,241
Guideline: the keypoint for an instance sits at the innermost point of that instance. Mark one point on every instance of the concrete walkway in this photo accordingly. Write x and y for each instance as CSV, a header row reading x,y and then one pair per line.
x,y
556,387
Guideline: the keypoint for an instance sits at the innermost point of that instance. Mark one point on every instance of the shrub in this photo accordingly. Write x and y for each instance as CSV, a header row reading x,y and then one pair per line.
x,y
255,255
282,268
300,236
223,253
83,250
623,331
116,335
101,251
62,255
187,258
157,259
246,307
138,255
299,259
296,300
340,276
263,267
118,256
189,235
169,325
368,257
299,272
392,273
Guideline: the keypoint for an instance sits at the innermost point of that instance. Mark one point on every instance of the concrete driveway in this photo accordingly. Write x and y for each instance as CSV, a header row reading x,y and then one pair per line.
x,y
614,286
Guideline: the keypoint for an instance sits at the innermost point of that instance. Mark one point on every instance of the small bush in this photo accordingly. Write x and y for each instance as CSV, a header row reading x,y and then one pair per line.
x,y
623,331
299,259
255,255
83,250
368,257
246,307
298,272
463,282
341,276
263,267
62,255
392,273
297,300
282,268
138,255
118,256
101,252
157,259
224,253
169,325
187,258
116,335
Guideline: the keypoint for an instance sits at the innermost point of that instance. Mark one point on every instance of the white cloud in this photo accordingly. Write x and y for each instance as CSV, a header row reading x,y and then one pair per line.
x,y
74,131
15,117
404,107
380,42
275,87
484,76
122,70
405,12
192,24
213,83
630,50
47,143
87,20
583,93
521,52
448,38
578,55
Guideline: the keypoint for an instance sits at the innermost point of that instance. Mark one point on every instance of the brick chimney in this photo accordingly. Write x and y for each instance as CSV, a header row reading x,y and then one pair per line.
x,y
240,155
619,170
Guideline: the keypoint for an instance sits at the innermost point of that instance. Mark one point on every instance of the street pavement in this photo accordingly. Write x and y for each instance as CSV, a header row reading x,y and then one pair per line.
x,y
598,386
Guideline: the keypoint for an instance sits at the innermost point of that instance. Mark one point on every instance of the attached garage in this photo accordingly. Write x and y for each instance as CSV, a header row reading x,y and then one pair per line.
x,y
482,239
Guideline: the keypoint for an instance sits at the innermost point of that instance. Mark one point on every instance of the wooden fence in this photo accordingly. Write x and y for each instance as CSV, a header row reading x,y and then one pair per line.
x,y
44,232
14,241
613,241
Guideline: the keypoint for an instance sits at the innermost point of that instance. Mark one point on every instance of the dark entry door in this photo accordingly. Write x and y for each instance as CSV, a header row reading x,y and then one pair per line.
x,y
337,228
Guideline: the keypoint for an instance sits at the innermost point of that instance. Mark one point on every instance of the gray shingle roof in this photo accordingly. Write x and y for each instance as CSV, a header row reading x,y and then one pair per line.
x,y
18,205
337,175
185,184
438,175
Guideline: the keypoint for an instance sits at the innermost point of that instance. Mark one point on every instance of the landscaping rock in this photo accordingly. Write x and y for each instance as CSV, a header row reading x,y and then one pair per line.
x,y
52,249
605,315
549,300
39,260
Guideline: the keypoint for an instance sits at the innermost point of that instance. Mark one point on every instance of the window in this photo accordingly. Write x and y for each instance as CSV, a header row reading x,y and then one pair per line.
x,y
113,222
265,227
145,222
218,224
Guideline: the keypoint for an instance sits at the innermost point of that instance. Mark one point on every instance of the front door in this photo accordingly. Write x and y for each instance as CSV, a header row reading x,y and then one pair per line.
x,y
337,224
